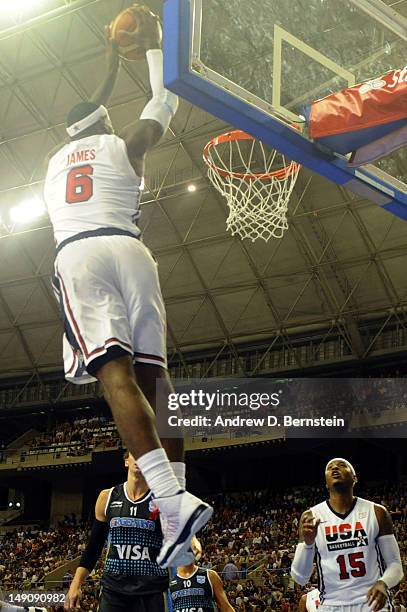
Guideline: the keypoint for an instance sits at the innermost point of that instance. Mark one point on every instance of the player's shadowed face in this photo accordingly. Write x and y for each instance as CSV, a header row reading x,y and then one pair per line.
x,y
339,476
132,466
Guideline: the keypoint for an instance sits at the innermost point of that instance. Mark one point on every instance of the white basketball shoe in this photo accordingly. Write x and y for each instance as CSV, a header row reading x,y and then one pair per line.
x,y
182,515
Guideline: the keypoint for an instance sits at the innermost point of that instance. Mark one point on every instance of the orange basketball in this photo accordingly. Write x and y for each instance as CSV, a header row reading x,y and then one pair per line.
x,y
140,21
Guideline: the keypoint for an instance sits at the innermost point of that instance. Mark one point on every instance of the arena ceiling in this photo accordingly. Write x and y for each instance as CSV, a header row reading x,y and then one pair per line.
x,y
342,261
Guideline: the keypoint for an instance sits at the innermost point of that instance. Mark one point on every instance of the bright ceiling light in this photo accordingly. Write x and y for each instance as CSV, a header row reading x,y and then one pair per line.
x,y
17,7
27,211
191,188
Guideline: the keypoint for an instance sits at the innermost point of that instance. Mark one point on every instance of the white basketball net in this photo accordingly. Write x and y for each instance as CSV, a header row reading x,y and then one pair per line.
x,y
244,171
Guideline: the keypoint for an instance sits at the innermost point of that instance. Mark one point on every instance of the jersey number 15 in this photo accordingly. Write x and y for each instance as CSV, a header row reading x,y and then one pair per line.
x,y
357,566
79,184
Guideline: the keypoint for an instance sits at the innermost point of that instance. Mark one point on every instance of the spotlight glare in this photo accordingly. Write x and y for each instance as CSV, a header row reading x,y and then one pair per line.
x,y
27,211
191,188
18,6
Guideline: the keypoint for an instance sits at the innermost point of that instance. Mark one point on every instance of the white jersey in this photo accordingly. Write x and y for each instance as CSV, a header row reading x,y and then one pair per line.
x,y
90,184
312,601
347,554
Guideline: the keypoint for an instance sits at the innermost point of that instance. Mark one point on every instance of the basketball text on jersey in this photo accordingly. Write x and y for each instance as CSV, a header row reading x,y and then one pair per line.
x,y
345,535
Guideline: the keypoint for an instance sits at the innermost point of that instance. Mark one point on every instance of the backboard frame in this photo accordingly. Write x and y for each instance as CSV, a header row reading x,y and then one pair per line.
x,y
186,75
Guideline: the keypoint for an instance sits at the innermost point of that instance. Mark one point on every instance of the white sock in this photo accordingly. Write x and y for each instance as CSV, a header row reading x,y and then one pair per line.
x,y
158,473
179,471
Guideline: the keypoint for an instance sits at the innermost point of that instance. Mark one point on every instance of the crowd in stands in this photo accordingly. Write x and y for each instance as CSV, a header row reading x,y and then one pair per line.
x,y
77,437
306,398
250,542
27,555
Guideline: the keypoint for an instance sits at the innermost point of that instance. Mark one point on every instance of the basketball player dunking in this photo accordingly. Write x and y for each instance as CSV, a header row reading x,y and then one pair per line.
x,y
132,580
194,589
352,541
106,282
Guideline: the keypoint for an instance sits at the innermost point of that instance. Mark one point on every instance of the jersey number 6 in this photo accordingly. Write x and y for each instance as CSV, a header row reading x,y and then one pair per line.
x,y
79,184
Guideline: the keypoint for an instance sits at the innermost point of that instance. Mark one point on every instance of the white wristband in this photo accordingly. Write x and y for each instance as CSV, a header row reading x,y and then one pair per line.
x,y
163,105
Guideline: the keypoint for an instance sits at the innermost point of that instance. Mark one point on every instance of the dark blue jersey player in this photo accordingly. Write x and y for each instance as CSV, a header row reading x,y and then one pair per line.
x,y
194,589
132,579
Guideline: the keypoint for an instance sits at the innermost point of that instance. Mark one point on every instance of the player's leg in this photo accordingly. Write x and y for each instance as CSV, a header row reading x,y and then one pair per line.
x,y
155,602
96,277
139,285
132,413
107,284
147,376
115,602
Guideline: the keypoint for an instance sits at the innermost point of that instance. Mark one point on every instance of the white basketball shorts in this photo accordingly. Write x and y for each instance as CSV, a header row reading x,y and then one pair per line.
x,y
111,304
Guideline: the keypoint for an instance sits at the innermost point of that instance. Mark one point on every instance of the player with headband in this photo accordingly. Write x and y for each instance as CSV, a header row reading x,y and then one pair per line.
x,y
352,543
106,282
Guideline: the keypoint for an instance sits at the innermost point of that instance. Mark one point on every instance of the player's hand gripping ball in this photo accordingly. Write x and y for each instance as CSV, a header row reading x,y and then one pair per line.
x,y
135,30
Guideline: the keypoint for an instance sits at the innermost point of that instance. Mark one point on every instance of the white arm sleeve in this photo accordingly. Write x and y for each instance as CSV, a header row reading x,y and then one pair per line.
x,y
389,549
163,105
302,565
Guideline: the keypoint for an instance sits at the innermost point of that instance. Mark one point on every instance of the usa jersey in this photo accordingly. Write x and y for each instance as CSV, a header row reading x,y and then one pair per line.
x,y
90,184
312,602
347,555
134,541
193,594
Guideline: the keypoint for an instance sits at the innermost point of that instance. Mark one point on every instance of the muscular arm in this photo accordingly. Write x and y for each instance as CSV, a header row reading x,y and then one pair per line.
x,y
104,90
140,137
219,592
82,571
384,520
393,574
91,554
389,548
159,110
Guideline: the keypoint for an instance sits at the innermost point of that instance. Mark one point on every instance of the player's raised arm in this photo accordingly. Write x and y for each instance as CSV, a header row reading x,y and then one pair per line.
x,y
91,553
393,574
104,91
157,114
302,565
219,592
